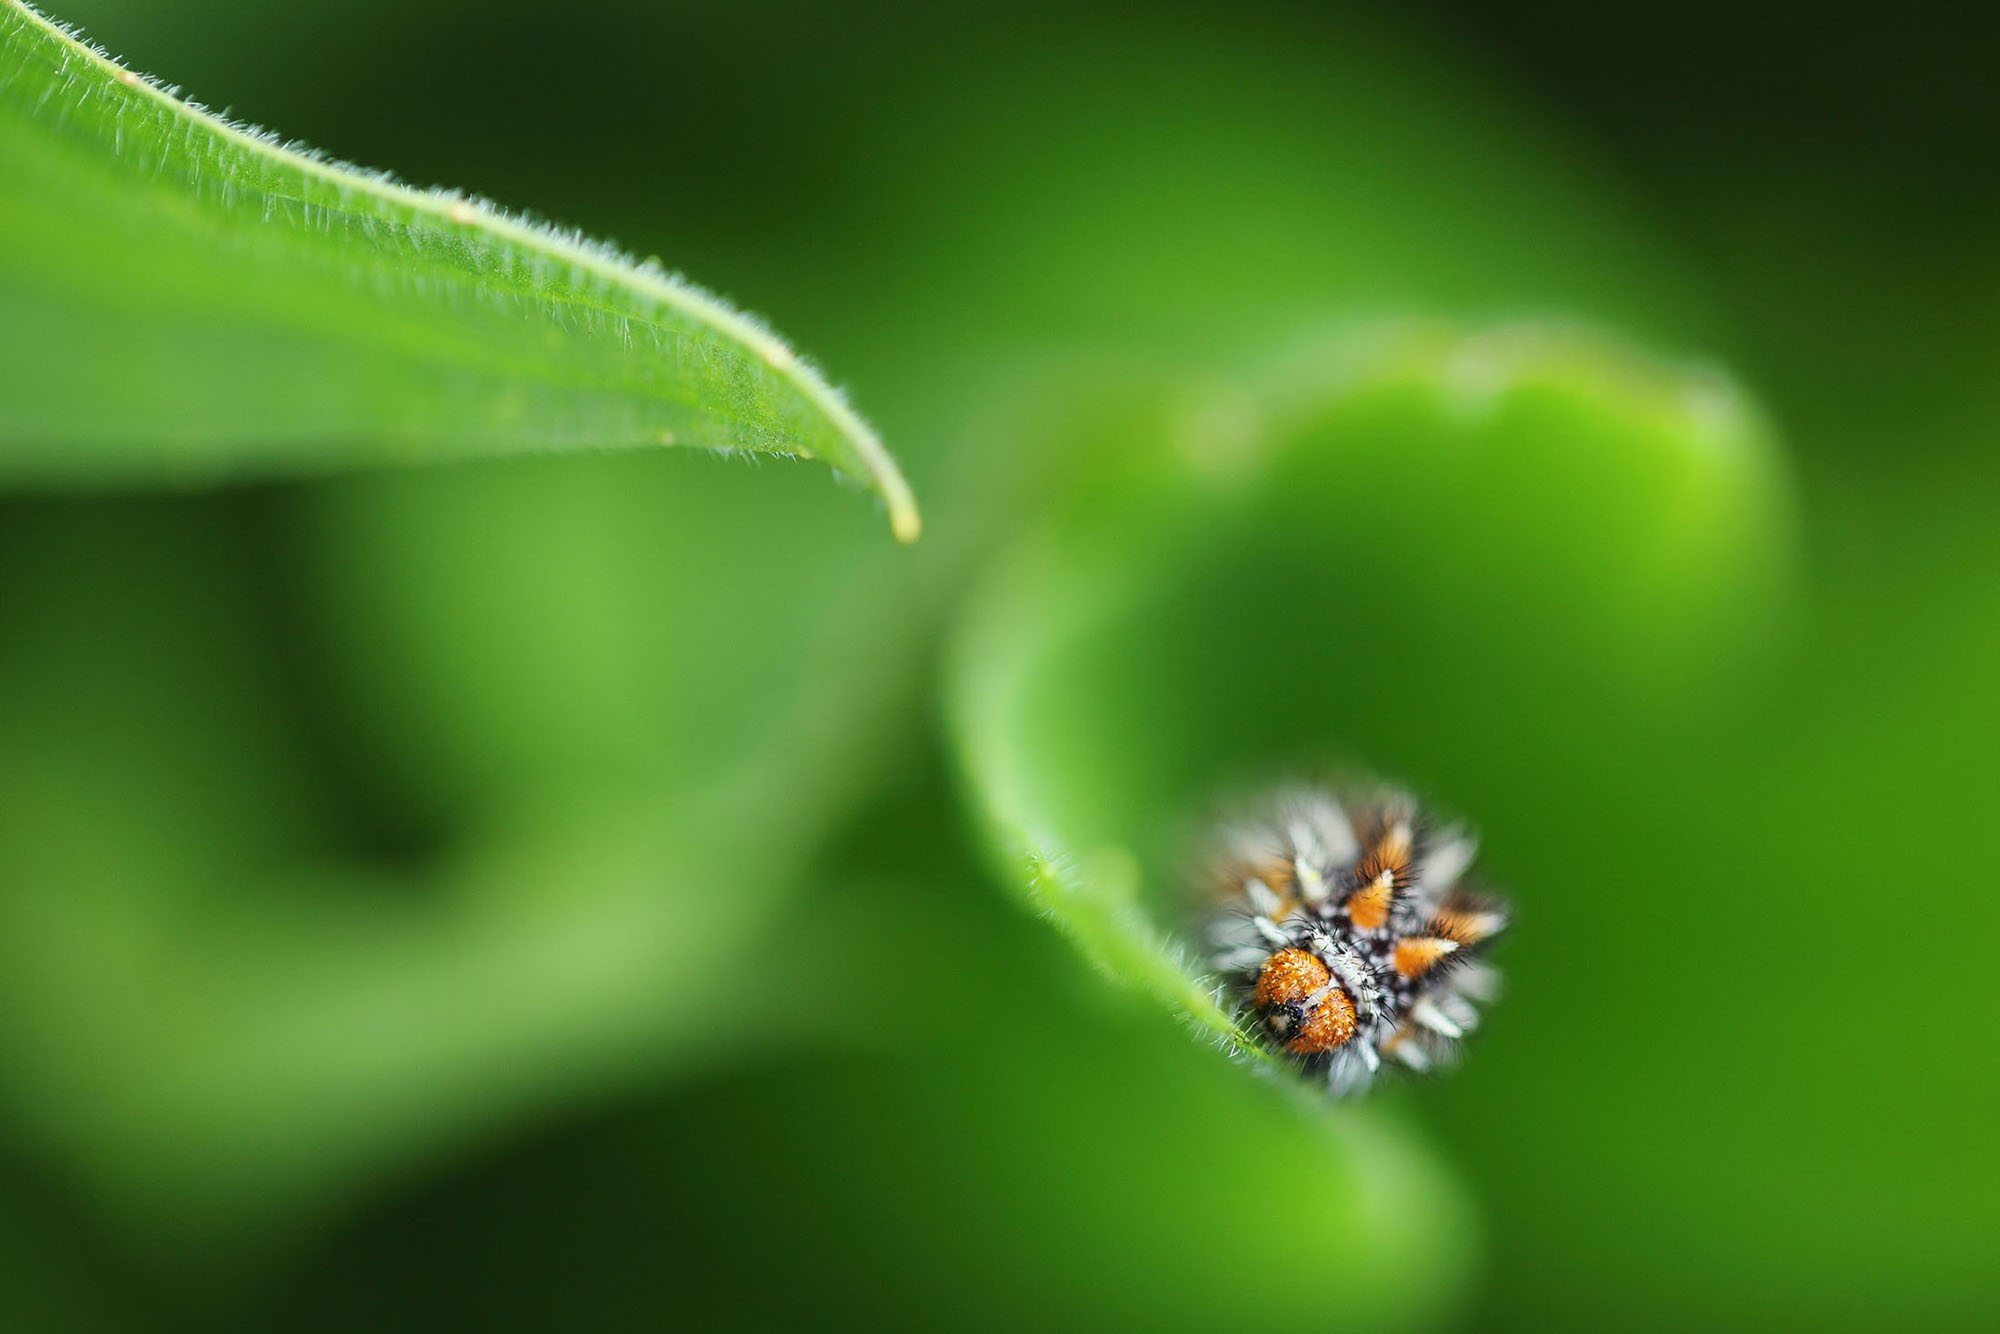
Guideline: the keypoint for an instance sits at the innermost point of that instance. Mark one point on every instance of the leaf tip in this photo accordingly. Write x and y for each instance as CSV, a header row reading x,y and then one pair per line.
x,y
904,520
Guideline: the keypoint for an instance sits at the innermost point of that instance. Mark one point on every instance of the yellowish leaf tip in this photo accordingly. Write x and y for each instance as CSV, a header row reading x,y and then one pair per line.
x,y
904,521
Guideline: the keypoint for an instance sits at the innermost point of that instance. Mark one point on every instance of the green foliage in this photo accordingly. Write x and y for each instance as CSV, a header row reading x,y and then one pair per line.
x,y
586,889
1415,519
228,992
519,903
188,299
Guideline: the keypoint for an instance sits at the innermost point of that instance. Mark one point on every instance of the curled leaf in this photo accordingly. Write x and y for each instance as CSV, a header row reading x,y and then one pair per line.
x,y
1410,535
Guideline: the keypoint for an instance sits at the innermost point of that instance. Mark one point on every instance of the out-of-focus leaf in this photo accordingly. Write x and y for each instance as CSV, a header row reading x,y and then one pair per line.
x,y
231,999
1413,534
184,299
534,628
301,1039
1002,1151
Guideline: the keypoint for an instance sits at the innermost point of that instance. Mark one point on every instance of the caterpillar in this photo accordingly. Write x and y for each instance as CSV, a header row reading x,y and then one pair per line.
x,y
1347,934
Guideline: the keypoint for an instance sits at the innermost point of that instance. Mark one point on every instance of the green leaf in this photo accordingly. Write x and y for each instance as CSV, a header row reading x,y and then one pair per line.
x,y
222,1007
1413,535
184,299
1092,1162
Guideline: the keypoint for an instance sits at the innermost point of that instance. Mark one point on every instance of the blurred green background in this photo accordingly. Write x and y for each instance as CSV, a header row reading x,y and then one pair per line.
x,y
552,893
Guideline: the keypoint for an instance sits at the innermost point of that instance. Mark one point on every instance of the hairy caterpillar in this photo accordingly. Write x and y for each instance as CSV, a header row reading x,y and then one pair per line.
x,y
1347,934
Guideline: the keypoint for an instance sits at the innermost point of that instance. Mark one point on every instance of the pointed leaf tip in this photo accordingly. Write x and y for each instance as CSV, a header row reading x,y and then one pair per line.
x,y
274,313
